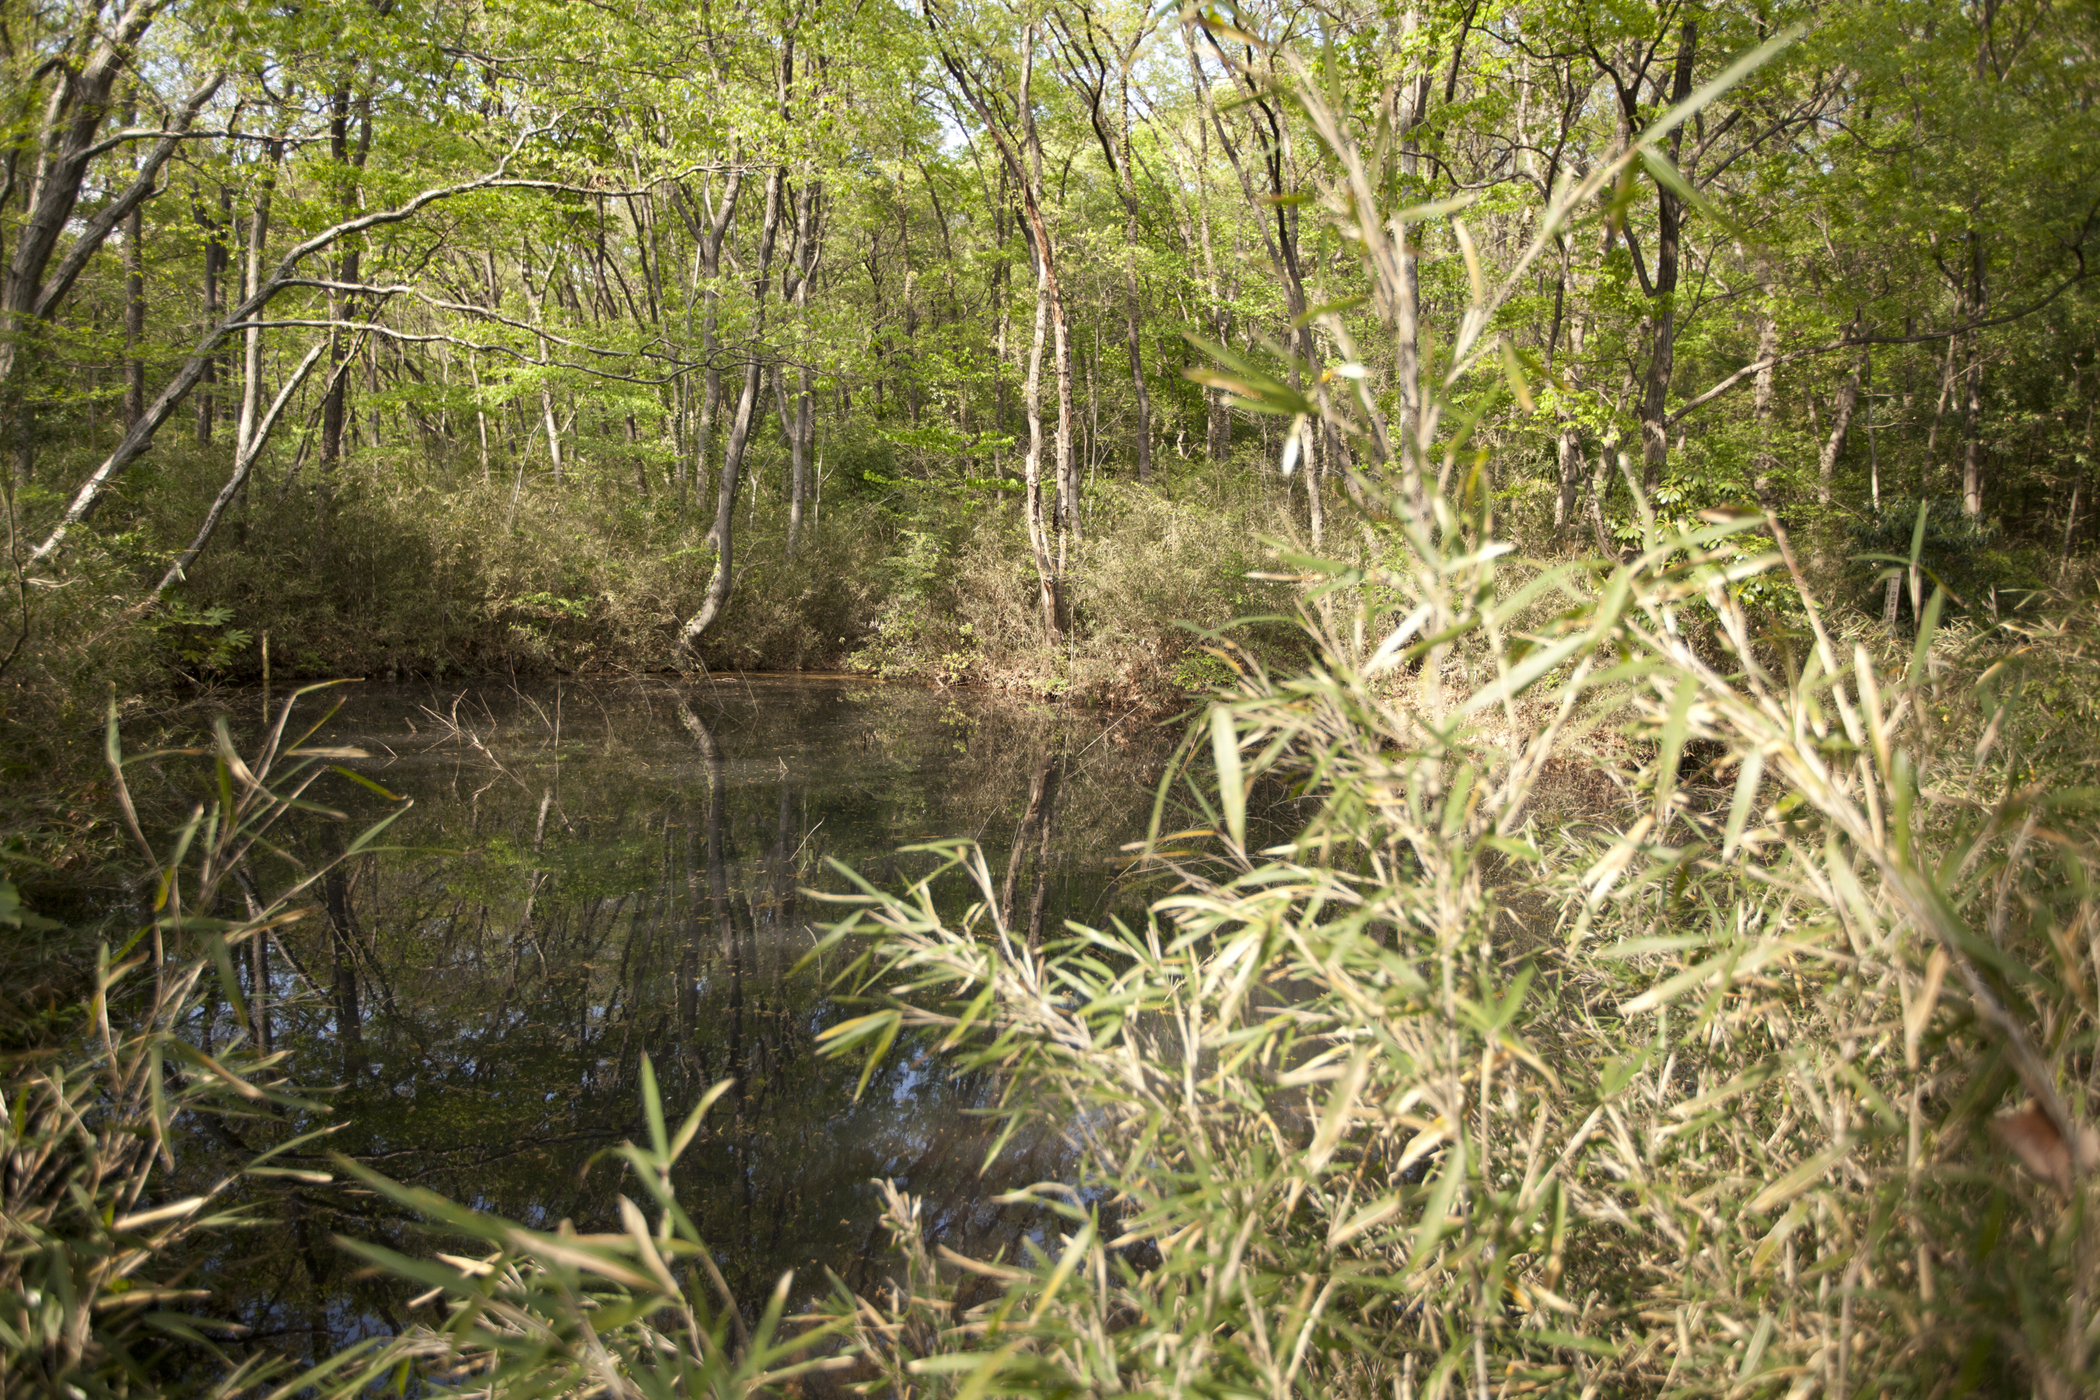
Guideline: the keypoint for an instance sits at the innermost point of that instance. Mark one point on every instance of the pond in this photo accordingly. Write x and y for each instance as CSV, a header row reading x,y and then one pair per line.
x,y
589,873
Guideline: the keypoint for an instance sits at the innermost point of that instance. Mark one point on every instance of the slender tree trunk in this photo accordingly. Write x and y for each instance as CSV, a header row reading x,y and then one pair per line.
x,y
711,235
1039,529
1972,387
1217,409
251,279
481,420
134,318
1002,282
1136,347
909,370
1022,152
350,159
1763,461
2070,529
1662,358
722,535
214,259
1271,202
798,424
547,418
1841,411
792,410
1600,477
1568,441
1066,521
1866,384
1132,304
550,422
251,443
1411,108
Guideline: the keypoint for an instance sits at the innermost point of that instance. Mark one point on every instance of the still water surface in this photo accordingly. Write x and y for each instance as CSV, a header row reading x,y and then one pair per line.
x,y
589,873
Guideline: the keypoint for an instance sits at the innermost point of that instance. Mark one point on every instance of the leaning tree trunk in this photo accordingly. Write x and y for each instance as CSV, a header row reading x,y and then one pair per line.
x,y
723,533
134,318
1841,411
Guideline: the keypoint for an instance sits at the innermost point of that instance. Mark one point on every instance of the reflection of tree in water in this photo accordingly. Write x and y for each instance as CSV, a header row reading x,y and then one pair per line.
x,y
486,995
1032,838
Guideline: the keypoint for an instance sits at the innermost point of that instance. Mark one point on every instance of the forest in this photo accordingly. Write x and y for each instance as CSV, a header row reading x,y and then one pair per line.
x,y
1567,520
415,339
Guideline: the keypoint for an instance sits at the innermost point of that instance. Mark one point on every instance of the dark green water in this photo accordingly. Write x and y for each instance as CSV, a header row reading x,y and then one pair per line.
x,y
589,873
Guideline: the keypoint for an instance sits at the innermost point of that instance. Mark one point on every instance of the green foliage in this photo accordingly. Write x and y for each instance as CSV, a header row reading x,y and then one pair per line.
x,y
1970,558
200,638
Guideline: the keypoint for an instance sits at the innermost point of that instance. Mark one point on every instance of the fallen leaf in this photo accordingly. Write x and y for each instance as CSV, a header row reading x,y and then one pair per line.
x,y
2037,1143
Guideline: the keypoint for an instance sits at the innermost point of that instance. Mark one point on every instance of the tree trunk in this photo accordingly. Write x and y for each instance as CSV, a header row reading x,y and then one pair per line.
x,y
1066,521
134,318
722,535
1568,441
63,149
711,235
1039,530
798,425
1978,300
214,259
1022,152
1136,348
349,159
251,339
1411,108
1866,384
1669,214
1840,423
1281,242
1131,303
88,496
794,415
252,440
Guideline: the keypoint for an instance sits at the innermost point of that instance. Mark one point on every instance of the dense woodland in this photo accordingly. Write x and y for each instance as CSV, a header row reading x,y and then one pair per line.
x,y
1616,479
426,337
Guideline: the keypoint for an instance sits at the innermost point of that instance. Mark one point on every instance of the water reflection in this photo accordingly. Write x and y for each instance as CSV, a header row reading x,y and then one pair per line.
x,y
591,873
